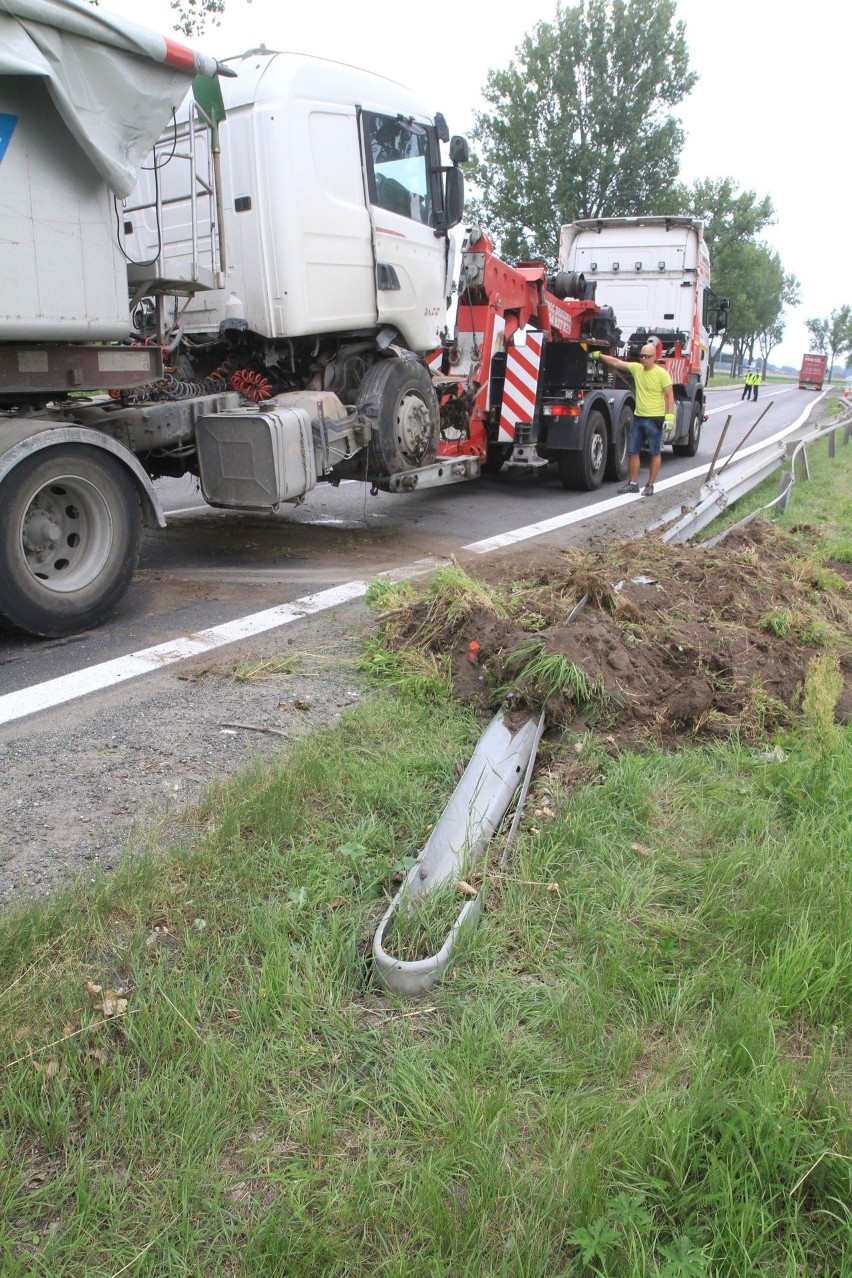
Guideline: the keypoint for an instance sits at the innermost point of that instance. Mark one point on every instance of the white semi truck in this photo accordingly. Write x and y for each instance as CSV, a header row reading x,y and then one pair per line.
x,y
654,275
246,301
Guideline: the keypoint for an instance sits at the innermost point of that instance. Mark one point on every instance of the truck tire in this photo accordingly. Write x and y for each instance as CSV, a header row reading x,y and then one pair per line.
x,y
616,462
690,447
69,540
398,399
584,468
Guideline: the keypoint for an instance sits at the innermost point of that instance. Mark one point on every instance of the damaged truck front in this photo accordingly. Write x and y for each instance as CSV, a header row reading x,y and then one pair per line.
x,y
240,288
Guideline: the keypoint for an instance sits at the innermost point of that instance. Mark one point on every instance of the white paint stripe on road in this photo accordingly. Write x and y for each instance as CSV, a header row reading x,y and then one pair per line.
x,y
54,692
610,503
43,696
770,395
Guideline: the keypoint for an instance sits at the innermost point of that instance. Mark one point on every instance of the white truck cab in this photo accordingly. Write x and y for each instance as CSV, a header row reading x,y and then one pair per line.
x,y
655,274
334,206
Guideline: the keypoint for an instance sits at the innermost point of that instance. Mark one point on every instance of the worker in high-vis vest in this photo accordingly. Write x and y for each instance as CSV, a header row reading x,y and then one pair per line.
x,y
653,415
746,385
756,380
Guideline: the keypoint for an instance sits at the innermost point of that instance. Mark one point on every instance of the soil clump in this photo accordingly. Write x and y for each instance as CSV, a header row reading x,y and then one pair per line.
x,y
662,643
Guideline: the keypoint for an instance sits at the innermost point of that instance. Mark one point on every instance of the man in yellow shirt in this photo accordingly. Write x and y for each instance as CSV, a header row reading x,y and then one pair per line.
x,y
654,409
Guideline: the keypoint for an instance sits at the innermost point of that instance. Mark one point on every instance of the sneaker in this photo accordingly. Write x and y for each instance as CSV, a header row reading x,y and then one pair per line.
x,y
629,487
648,490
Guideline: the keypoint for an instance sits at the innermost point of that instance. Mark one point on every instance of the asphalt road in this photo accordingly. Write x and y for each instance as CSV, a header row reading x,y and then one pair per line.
x,y
210,567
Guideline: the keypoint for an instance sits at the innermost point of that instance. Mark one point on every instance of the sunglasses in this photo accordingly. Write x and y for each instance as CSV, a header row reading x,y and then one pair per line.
x,y
647,357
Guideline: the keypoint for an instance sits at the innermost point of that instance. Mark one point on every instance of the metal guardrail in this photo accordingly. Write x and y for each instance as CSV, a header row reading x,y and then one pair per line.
x,y
733,481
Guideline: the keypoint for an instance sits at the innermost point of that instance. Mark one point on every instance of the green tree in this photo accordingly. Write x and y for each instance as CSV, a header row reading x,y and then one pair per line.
x,y
837,334
770,336
729,215
840,334
832,336
818,329
757,286
581,124
731,219
194,15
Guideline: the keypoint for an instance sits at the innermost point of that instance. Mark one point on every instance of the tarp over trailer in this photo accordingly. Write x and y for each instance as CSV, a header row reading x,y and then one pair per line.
x,y
114,84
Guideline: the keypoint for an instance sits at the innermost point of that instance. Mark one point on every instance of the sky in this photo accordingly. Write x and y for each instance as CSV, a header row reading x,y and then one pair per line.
x,y
769,110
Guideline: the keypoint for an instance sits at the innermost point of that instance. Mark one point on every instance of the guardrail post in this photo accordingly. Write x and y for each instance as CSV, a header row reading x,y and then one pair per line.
x,y
832,447
784,488
847,432
806,470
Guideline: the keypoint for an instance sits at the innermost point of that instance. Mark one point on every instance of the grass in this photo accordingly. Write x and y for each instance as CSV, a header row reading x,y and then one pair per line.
x,y
538,675
720,380
254,668
642,1068
420,927
648,1067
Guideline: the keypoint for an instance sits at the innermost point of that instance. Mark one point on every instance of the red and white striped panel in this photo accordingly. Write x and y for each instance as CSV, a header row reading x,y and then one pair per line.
x,y
433,361
521,386
678,370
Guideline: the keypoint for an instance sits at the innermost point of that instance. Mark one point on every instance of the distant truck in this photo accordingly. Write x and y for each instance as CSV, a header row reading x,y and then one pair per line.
x,y
812,372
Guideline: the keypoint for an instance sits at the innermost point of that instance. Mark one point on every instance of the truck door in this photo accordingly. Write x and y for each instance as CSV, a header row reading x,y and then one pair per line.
x,y
411,260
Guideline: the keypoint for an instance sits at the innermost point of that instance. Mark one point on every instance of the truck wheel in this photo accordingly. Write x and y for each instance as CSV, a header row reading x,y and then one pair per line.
x,y
69,540
398,399
616,462
584,468
690,448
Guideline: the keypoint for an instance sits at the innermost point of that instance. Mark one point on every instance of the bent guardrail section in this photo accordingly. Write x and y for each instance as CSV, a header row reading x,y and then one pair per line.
x,y
733,481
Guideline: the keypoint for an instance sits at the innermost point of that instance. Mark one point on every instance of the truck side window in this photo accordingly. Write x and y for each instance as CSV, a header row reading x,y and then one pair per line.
x,y
399,166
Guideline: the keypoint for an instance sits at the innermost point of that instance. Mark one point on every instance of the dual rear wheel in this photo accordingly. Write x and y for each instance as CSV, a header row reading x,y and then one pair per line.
x,y
585,468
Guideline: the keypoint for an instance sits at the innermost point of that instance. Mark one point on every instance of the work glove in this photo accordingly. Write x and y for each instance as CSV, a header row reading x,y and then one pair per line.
x,y
596,356
669,419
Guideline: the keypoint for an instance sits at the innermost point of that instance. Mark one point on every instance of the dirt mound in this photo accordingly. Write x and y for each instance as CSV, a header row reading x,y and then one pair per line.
x,y
643,640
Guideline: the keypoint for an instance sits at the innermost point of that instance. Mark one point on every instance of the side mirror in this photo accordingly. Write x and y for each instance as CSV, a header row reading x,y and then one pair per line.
x,y
721,320
459,150
442,129
454,197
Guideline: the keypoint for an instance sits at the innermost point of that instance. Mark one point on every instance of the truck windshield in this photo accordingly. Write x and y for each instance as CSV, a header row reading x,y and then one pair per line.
x,y
399,177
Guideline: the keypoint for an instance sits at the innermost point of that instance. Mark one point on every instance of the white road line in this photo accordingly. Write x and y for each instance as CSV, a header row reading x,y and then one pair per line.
x,y
610,503
769,395
55,692
43,696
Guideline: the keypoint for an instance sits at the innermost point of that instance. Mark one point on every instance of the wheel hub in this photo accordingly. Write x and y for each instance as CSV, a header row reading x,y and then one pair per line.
x,y
41,533
413,426
66,533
